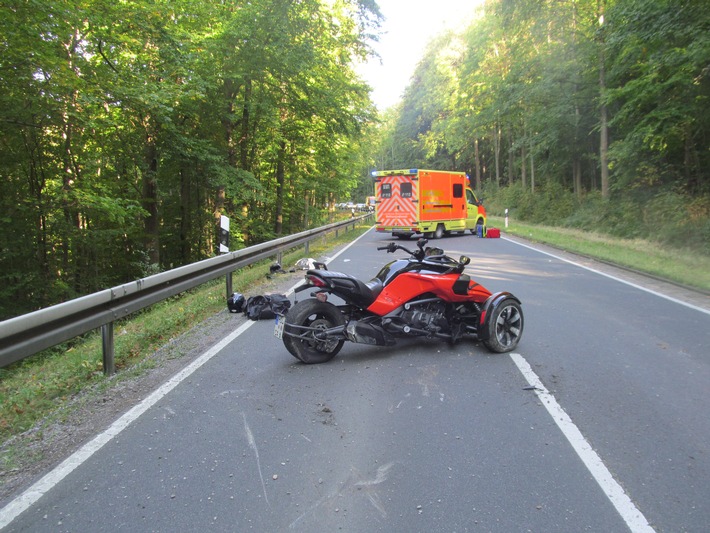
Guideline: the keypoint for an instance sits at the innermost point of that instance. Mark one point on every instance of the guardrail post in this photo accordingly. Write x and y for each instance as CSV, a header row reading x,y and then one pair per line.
x,y
228,279
107,344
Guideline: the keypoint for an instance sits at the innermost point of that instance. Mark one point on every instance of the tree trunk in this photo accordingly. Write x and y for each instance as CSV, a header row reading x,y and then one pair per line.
x,y
577,175
523,169
478,165
532,168
496,142
280,178
511,161
246,117
71,256
149,201
185,218
603,113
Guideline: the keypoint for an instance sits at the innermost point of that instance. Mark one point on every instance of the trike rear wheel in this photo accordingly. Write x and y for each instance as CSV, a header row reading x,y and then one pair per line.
x,y
303,324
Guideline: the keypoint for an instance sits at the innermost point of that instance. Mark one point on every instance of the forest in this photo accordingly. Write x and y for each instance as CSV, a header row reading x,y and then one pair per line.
x,y
129,127
584,113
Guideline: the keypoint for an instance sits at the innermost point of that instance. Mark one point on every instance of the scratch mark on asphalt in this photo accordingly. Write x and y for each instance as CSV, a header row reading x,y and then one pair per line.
x,y
252,445
381,476
354,484
426,379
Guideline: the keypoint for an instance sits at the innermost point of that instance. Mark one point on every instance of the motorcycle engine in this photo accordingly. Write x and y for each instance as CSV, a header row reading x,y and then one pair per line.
x,y
429,317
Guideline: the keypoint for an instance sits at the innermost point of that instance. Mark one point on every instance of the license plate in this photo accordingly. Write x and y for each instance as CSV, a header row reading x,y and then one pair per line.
x,y
279,327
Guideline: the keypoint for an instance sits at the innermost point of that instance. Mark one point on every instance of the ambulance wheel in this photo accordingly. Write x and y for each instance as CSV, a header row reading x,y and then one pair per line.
x,y
439,231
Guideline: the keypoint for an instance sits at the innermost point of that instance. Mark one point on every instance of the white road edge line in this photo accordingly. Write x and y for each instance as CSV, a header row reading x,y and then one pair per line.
x,y
25,500
634,285
634,519
41,487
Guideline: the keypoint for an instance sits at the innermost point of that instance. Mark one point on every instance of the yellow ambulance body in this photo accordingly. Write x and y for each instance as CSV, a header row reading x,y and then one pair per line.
x,y
432,203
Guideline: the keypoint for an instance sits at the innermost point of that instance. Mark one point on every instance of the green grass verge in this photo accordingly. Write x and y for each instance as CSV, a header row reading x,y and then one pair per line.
x,y
683,266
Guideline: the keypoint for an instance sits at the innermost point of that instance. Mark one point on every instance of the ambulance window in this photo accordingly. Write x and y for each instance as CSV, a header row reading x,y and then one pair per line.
x,y
405,190
458,190
470,198
386,190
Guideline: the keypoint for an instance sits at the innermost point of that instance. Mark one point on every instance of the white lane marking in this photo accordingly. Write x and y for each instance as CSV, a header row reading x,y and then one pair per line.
x,y
633,517
634,285
25,500
41,487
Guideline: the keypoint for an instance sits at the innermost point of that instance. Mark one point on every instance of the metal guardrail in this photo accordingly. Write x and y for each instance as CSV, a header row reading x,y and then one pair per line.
x,y
25,335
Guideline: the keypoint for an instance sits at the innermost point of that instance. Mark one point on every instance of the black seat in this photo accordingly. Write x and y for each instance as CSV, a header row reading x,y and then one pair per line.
x,y
362,294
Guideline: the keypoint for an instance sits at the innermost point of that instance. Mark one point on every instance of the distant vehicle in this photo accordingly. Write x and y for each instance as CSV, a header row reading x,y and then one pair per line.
x,y
429,202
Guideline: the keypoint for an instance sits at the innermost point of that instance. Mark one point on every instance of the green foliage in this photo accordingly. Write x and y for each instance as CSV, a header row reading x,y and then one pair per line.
x,y
535,90
551,205
661,89
671,218
128,128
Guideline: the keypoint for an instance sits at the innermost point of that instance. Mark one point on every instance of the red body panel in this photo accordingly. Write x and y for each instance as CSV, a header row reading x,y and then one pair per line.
x,y
410,285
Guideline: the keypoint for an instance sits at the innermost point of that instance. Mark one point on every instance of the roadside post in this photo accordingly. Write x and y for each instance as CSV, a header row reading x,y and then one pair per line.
x,y
224,247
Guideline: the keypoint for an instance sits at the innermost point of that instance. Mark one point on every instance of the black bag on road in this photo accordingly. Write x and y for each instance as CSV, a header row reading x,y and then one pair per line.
x,y
266,306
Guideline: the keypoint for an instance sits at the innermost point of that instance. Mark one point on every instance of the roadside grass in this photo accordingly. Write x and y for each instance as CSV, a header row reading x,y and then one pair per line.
x,y
687,267
41,388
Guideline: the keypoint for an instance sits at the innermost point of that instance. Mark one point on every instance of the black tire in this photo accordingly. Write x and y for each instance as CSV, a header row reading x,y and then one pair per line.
x,y
313,314
505,326
439,231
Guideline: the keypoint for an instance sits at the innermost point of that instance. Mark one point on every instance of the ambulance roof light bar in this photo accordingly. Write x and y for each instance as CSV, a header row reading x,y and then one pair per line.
x,y
375,173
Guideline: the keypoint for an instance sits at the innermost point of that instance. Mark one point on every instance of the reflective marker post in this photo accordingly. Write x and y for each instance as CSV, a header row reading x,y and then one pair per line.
x,y
224,247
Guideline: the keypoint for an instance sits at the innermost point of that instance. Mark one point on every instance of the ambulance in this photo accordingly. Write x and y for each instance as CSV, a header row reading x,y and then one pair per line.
x,y
432,203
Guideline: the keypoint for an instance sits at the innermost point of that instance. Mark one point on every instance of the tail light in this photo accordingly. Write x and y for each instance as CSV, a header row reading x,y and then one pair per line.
x,y
316,281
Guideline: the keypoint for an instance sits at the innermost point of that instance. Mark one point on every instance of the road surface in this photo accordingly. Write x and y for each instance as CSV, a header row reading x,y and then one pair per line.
x,y
597,422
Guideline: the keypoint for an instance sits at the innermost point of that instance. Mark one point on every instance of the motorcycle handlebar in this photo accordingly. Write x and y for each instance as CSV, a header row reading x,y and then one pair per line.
x,y
392,247
421,254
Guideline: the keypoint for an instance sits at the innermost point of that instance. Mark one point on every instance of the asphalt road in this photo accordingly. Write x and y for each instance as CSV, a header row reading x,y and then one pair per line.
x,y
597,422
